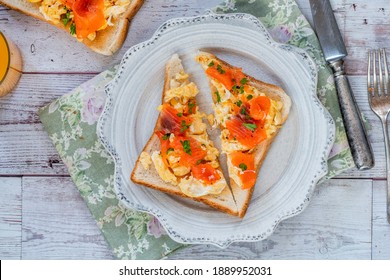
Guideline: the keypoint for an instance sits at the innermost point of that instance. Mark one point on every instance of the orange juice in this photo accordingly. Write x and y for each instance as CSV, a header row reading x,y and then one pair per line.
x,y
10,65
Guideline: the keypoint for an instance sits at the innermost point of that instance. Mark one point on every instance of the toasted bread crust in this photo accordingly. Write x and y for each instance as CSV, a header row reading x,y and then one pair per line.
x,y
107,41
241,196
138,177
223,202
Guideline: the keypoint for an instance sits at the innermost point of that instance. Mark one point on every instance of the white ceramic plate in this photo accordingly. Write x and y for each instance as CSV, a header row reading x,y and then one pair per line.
x,y
295,162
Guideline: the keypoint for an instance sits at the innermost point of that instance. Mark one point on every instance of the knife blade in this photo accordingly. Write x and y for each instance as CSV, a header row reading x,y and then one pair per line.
x,y
334,51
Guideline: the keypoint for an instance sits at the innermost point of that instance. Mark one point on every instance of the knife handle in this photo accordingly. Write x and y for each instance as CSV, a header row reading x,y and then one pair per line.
x,y
356,133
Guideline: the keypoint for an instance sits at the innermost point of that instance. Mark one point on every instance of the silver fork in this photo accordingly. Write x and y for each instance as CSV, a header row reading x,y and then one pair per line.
x,y
378,87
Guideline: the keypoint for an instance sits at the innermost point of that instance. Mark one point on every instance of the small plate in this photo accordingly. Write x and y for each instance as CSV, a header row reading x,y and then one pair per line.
x,y
295,162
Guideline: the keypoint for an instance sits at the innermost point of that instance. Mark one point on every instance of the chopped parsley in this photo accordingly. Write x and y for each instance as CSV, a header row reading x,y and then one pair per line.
x,y
243,81
238,103
186,146
184,126
180,115
66,18
238,89
211,64
199,161
190,107
249,97
166,136
170,150
243,166
220,70
72,28
250,126
218,96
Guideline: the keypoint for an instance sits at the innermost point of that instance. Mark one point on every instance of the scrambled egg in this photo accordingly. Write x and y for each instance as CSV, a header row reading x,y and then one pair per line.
x,y
234,172
145,160
165,174
229,146
224,93
222,112
183,93
54,11
198,126
195,188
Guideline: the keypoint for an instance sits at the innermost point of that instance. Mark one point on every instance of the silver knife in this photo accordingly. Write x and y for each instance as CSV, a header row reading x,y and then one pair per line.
x,y
333,47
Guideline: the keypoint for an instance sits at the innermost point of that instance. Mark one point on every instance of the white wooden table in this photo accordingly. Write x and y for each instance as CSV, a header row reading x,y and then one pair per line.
x,y
42,215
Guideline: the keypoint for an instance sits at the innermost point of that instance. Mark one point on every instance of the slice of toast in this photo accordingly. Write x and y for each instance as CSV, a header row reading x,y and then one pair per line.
x,y
106,42
238,95
151,171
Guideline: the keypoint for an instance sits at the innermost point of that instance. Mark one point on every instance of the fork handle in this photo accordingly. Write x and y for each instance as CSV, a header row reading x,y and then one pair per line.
x,y
357,136
387,150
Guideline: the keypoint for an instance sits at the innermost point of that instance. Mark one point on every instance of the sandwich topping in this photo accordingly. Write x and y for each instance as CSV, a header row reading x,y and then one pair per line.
x,y
247,117
83,17
187,157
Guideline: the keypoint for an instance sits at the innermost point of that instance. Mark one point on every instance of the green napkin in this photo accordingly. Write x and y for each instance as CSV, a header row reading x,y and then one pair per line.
x,y
71,124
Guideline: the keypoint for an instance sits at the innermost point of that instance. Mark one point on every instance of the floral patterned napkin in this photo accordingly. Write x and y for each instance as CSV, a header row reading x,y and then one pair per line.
x,y
71,124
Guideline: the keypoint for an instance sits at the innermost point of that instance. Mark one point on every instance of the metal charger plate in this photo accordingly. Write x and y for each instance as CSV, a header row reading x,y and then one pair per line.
x,y
294,164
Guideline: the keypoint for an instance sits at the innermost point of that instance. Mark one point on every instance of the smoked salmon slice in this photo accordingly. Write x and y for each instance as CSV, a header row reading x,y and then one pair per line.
x,y
247,133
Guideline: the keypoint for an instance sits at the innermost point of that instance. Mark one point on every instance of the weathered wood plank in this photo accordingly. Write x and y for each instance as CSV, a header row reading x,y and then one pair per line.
x,y
57,223
335,225
27,149
380,227
33,92
10,218
367,26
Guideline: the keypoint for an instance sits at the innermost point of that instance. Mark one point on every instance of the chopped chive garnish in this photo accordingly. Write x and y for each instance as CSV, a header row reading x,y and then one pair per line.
x,y
218,96
190,107
66,18
250,126
238,103
220,70
186,146
211,64
243,166
249,97
243,81
166,136
72,29
180,115
184,126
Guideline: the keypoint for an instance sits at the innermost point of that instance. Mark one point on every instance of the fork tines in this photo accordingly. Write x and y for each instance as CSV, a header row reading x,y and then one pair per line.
x,y
377,61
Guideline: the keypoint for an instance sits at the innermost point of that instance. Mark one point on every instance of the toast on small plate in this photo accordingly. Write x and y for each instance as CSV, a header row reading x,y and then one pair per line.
x,y
249,113
179,157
